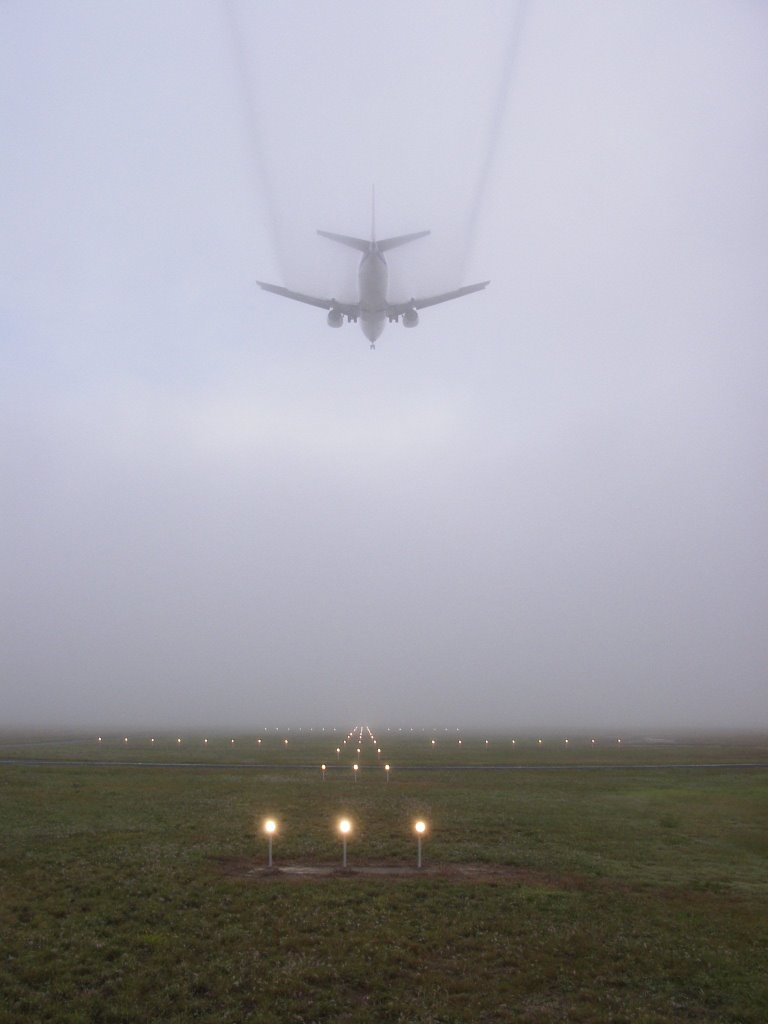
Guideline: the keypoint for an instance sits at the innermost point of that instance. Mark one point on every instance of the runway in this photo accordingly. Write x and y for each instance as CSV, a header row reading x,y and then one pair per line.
x,y
246,766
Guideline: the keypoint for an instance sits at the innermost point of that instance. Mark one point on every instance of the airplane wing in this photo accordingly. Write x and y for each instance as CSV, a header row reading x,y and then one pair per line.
x,y
432,300
348,309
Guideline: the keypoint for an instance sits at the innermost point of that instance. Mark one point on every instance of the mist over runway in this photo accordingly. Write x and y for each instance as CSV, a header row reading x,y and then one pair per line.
x,y
544,507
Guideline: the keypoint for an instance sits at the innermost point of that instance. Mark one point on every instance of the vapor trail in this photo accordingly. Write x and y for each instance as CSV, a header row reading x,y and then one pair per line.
x,y
244,85
498,113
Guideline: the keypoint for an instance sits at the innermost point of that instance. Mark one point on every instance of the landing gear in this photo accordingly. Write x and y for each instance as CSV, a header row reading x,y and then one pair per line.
x,y
373,346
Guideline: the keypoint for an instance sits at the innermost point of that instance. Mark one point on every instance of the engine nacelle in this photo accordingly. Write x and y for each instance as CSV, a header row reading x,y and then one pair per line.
x,y
410,318
335,318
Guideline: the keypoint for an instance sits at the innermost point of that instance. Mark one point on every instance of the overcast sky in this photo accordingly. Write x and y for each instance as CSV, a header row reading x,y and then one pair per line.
x,y
544,507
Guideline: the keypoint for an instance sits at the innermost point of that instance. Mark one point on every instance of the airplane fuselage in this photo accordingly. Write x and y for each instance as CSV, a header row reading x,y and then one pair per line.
x,y
372,279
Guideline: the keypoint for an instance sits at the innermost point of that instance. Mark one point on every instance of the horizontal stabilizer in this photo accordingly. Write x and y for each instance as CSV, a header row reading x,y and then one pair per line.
x,y
354,243
392,243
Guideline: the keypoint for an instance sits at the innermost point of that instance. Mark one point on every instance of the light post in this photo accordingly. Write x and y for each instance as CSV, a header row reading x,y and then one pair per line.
x,y
345,827
355,769
270,827
338,753
420,828
386,772
322,769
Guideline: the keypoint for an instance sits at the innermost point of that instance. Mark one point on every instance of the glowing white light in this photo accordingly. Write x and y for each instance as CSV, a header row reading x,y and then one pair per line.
x,y
420,827
270,826
345,826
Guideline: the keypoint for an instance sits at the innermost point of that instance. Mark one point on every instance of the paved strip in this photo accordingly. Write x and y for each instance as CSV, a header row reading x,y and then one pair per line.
x,y
244,765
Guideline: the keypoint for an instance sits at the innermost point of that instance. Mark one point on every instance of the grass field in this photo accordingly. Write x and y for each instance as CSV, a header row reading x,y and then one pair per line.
x,y
627,894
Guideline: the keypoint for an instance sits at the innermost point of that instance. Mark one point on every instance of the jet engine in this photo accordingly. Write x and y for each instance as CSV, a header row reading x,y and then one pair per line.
x,y
410,318
335,318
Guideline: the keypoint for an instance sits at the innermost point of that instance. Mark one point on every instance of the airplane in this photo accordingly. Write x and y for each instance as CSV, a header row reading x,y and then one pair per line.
x,y
373,309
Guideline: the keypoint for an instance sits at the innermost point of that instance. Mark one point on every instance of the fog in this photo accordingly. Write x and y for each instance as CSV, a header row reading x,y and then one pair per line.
x,y
545,507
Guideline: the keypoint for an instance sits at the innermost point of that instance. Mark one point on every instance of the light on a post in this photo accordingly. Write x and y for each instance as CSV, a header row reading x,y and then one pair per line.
x,y
345,827
420,827
355,769
270,827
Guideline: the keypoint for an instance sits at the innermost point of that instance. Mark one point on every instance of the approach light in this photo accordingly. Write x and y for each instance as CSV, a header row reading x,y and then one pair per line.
x,y
345,827
270,827
420,827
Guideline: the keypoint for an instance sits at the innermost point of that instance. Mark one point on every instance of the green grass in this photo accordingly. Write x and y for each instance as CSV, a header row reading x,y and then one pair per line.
x,y
632,896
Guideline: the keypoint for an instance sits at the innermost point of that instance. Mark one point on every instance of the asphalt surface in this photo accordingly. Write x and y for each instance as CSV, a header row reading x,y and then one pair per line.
x,y
244,765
